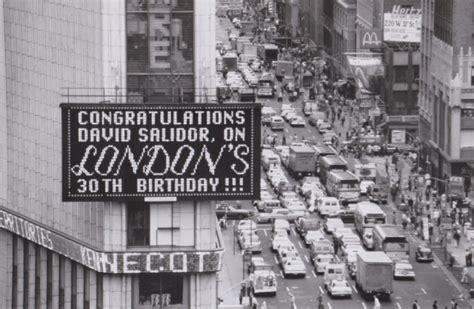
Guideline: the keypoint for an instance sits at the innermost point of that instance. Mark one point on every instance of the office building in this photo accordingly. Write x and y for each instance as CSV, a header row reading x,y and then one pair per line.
x,y
59,254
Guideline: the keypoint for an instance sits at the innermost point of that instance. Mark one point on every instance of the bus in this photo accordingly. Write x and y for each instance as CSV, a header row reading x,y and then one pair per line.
x,y
343,185
390,239
330,163
266,86
367,215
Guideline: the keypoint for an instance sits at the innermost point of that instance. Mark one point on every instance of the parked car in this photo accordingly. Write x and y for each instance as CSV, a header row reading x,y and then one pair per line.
x,y
423,254
232,213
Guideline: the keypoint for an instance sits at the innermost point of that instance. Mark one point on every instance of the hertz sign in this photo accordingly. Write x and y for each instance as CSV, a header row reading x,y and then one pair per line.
x,y
369,39
153,152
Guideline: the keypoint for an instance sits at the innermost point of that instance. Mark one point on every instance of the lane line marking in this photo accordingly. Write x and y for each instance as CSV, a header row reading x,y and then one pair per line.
x,y
265,232
306,258
321,289
293,230
281,273
276,260
353,286
286,130
329,306
398,305
363,305
314,274
299,244
423,290
288,289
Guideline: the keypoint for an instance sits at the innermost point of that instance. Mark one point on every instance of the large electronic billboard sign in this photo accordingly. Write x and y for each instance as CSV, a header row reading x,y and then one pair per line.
x,y
158,152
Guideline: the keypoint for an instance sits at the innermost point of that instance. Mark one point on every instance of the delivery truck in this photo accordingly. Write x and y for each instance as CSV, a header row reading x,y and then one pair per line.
x,y
301,161
268,52
374,275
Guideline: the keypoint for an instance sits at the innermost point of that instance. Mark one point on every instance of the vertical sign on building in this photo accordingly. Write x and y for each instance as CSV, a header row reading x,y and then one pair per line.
x,y
140,152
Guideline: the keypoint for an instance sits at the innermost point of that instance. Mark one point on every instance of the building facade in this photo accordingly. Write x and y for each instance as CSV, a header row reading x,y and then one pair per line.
x,y
344,38
99,254
446,97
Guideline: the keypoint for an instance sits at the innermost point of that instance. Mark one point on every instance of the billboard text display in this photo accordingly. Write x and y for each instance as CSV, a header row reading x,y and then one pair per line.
x,y
140,152
402,28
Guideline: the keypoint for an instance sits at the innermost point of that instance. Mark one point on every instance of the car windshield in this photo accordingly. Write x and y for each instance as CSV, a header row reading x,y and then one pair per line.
x,y
340,284
404,266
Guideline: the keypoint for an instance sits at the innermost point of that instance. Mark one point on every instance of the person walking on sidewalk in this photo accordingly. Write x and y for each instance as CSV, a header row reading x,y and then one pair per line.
x,y
464,274
468,256
457,236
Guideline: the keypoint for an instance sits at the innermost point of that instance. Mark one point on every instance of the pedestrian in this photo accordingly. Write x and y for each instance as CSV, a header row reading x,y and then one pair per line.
x,y
464,274
457,237
394,219
343,120
453,303
283,140
416,305
468,256
335,245
404,221
430,230
377,303
242,293
435,304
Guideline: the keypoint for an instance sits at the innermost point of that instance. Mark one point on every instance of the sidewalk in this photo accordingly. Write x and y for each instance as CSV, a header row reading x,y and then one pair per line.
x,y
231,275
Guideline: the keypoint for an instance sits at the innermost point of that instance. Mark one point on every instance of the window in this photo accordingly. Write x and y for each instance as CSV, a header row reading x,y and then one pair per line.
x,y
61,280
165,224
400,74
37,276
87,288
26,273
157,290
14,271
138,224
100,291
73,285
49,279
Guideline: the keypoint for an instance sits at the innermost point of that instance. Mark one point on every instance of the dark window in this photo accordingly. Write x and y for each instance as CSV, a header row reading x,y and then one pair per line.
x,y
14,271
100,291
400,73
73,285
37,276
157,289
62,262
49,279
87,288
138,224
443,20
26,273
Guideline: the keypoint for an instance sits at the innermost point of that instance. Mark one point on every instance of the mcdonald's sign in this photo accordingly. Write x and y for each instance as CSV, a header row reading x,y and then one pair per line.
x,y
370,38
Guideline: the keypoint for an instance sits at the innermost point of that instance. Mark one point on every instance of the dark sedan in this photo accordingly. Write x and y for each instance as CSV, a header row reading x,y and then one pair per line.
x,y
424,254
232,212
346,215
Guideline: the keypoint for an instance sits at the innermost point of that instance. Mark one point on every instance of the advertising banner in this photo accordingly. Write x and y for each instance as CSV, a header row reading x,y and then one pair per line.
x,y
402,28
370,38
368,72
154,152
398,137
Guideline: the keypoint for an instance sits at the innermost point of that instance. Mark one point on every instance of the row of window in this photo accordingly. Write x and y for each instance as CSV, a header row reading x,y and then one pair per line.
x,y
24,262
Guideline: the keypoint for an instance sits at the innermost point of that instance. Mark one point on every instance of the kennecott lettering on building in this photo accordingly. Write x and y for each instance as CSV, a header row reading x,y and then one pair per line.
x,y
114,262
133,152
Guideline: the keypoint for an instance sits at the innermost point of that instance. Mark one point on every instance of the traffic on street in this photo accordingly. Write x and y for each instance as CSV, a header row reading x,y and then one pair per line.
x,y
330,228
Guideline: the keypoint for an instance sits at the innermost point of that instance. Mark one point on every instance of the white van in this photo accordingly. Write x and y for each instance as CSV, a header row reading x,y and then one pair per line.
x,y
277,123
334,271
327,205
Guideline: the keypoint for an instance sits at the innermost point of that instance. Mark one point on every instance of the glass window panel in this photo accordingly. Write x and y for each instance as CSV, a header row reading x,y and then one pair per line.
x,y
155,289
137,5
175,5
138,224
137,43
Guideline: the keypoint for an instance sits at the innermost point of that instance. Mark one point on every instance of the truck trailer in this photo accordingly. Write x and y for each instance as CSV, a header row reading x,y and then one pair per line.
x,y
301,161
374,275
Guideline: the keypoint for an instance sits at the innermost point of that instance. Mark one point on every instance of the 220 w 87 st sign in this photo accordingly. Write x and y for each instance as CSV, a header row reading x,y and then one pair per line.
x,y
145,152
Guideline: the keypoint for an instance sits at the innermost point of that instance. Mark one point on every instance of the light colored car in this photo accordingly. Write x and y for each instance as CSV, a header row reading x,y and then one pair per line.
x,y
339,288
286,246
289,116
320,262
246,225
281,224
311,236
368,238
341,231
288,195
324,127
364,185
352,249
279,238
251,242
403,270
294,267
297,121
331,224
284,255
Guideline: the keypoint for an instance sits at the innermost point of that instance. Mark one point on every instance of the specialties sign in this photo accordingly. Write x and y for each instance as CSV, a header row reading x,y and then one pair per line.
x,y
151,152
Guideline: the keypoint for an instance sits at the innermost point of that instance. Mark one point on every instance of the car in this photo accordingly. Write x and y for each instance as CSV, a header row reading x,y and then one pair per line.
x,y
364,185
324,127
278,213
284,255
403,270
294,267
368,238
311,236
278,238
262,279
345,214
286,246
339,288
250,242
246,225
331,224
423,254
320,262
232,213
287,196
297,121
281,224
351,250
342,231
377,194
288,116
